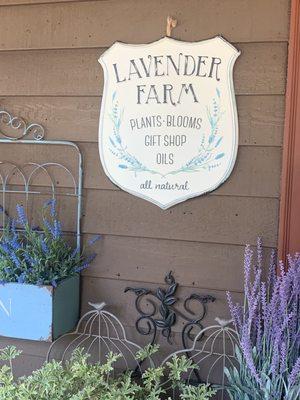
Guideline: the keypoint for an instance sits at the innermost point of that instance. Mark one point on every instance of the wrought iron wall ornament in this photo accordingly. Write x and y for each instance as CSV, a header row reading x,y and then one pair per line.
x,y
163,313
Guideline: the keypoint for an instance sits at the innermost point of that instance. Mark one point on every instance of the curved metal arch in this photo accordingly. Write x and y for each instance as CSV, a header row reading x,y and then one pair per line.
x,y
1,178
207,351
39,166
89,313
4,190
8,176
52,164
89,335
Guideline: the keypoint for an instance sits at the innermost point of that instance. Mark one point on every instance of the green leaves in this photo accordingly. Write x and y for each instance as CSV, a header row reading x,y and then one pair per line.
x,y
147,352
201,392
80,380
9,353
178,365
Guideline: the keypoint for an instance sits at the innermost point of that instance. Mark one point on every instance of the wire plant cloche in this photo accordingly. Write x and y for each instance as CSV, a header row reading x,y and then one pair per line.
x,y
98,333
211,355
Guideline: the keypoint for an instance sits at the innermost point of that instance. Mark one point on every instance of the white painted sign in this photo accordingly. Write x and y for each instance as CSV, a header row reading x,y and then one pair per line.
x,y
168,125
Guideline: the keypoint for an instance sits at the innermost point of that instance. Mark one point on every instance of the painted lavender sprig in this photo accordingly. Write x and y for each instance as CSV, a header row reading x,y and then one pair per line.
x,y
269,331
118,148
209,156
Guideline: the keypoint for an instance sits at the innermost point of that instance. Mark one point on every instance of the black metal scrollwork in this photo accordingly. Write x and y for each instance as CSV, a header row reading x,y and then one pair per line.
x,y
163,313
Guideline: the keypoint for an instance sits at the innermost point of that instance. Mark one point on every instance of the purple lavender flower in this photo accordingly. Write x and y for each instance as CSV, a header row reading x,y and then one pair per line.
x,y
37,257
232,309
29,259
52,204
283,357
247,268
22,277
44,246
247,352
48,226
295,373
21,215
275,359
5,248
15,259
272,270
259,253
94,239
15,244
263,297
281,268
13,224
56,229
86,263
269,333
75,252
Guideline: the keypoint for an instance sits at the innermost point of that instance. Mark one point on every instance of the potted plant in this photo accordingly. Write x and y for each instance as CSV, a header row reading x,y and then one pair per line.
x,y
268,325
39,278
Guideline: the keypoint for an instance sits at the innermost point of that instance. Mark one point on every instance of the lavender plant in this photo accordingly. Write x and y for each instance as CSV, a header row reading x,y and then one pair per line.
x,y
39,256
268,325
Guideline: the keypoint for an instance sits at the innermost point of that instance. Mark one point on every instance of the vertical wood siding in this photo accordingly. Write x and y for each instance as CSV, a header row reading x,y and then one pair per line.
x,y
49,74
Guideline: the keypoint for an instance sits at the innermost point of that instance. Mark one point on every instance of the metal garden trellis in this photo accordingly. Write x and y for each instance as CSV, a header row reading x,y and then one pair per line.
x,y
22,130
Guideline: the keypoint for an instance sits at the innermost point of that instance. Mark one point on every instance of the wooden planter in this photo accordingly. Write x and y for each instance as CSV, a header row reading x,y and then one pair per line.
x,y
39,312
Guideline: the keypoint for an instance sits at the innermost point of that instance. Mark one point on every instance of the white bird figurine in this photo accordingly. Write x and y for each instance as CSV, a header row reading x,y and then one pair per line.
x,y
97,306
223,322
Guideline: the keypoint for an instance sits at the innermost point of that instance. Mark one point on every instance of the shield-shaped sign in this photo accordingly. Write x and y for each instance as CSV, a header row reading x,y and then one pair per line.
x,y
168,125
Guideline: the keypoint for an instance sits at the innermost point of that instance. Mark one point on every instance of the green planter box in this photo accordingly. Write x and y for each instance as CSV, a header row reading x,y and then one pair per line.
x,y
39,312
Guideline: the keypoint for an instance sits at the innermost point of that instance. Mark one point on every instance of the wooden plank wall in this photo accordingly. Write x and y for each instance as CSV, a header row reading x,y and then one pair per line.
x,y
49,74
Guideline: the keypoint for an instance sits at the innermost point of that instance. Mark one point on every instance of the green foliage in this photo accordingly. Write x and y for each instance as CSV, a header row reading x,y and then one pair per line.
x,y
147,352
202,392
9,353
79,380
177,366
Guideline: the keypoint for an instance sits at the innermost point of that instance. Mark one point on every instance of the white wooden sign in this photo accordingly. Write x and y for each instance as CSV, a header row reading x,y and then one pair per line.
x,y
168,125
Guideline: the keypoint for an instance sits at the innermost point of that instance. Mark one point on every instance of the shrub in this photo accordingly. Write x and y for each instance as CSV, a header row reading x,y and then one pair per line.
x,y
79,380
39,256
268,325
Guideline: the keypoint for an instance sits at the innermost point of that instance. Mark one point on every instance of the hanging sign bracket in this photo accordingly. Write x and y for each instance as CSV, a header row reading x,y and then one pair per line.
x,y
171,24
